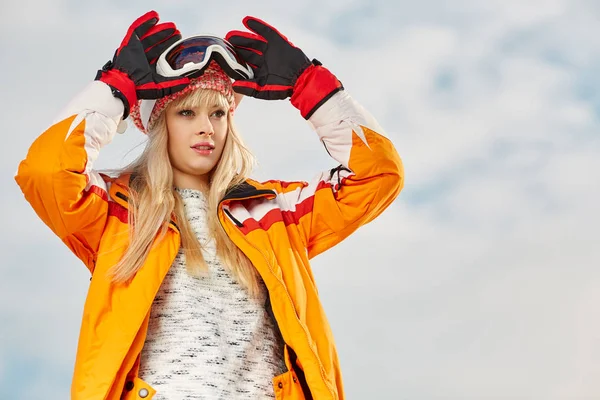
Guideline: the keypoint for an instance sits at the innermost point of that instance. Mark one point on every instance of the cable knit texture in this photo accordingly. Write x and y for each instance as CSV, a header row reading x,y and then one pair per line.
x,y
207,338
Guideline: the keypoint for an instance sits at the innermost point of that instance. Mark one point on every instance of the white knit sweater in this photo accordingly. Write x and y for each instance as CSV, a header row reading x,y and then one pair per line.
x,y
208,339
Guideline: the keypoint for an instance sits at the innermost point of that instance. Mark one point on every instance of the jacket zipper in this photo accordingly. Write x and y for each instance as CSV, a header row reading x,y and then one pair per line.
x,y
235,221
291,303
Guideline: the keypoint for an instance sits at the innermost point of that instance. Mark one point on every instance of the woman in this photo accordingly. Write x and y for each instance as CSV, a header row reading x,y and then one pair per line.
x,y
201,284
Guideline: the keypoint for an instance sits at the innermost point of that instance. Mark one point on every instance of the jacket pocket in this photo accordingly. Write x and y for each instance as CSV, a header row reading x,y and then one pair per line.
x,y
137,389
287,387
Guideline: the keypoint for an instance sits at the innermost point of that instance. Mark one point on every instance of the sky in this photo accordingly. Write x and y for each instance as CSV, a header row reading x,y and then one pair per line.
x,y
480,281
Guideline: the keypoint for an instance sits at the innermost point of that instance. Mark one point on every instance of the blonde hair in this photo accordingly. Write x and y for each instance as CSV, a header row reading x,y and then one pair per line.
x,y
153,199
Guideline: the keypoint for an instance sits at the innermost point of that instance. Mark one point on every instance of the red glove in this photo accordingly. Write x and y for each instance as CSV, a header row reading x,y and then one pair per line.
x,y
132,72
280,69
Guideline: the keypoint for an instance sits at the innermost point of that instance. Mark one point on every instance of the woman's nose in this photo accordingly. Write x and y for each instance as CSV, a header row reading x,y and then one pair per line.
x,y
204,126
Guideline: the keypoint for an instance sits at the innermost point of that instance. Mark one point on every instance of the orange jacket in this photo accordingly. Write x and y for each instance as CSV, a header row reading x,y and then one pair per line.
x,y
278,225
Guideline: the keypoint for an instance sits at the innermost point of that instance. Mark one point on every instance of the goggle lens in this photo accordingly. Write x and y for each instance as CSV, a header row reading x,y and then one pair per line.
x,y
194,50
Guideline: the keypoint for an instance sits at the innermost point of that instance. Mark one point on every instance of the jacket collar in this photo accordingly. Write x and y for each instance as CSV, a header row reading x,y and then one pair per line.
x,y
249,189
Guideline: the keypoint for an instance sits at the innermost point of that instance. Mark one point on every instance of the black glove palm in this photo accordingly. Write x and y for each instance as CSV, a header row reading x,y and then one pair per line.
x,y
276,62
132,71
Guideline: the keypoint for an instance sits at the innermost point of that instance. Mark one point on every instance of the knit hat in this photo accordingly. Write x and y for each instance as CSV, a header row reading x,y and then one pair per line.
x,y
145,112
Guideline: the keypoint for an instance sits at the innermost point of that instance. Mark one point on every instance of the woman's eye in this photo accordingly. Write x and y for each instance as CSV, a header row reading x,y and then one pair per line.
x,y
186,113
219,113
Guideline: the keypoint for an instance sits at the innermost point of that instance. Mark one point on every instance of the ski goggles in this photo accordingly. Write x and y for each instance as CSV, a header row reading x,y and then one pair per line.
x,y
191,56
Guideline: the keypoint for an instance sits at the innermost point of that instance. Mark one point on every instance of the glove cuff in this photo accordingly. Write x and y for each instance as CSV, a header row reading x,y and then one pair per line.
x,y
313,88
122,87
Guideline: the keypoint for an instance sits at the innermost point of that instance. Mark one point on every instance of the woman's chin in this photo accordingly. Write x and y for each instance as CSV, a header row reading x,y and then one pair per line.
x,y
199,167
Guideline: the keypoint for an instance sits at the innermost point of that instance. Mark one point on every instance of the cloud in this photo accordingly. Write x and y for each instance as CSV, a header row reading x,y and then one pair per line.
x,y
479,282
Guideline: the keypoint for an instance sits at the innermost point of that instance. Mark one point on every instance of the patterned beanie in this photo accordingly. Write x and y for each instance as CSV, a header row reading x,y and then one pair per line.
x,y
145,112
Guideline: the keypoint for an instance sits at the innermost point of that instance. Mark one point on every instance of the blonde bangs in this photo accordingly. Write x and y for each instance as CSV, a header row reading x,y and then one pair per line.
x,y
201,98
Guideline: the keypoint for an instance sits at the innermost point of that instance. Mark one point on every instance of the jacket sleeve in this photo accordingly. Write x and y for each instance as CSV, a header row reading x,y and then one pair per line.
x,y
369,177
57,176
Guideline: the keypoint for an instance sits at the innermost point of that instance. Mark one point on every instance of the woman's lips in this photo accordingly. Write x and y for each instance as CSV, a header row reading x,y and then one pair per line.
x,y
204,149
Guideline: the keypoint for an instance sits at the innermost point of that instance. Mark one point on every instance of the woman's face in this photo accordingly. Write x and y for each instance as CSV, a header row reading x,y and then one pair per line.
x,y
196,136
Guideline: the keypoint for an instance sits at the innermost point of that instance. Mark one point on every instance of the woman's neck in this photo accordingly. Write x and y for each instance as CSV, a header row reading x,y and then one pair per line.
x,y
185,181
